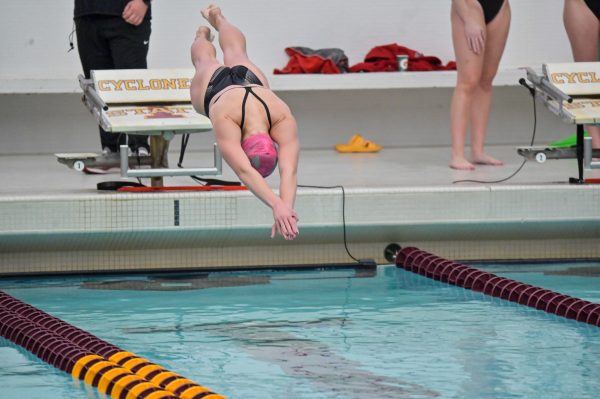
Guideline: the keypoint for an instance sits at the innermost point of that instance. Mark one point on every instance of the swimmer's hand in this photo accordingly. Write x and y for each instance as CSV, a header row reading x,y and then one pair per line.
x,y
475,35
286,222
134,12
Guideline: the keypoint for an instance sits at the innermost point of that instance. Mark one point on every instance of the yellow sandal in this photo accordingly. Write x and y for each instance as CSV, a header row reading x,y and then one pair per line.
x,y
358,144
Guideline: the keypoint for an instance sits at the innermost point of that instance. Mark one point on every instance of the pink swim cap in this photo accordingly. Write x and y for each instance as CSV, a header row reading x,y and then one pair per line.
x,y
262,153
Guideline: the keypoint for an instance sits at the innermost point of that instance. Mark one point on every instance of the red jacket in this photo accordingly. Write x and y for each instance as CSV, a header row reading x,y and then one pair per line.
x,y
383,59
306,60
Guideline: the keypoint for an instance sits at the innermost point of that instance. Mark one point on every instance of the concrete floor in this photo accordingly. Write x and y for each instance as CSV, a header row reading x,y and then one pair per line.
x,y
25,175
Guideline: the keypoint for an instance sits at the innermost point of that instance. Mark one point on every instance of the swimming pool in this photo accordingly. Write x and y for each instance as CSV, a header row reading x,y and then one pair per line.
x,y
323,333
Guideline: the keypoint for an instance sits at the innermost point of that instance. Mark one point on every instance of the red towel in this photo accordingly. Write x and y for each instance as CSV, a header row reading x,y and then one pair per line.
x,y
305,60
383,59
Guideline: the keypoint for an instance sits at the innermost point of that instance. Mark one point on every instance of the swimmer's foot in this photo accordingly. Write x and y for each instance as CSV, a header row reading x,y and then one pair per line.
x,y
204,31
485,159
212,14
461,164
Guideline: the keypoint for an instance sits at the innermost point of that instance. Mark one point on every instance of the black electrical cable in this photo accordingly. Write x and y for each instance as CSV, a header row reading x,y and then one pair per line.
x,y
185,138
343,214
524,161
70,38
184,143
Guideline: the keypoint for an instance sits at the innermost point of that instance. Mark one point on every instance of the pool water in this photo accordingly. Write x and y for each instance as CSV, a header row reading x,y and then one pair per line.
x,y
323,334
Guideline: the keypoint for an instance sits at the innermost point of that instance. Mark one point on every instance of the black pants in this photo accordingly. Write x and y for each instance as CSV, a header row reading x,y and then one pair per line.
x,y
108,42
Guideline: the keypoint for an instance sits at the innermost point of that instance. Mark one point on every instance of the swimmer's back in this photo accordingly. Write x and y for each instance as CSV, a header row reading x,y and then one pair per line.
x,y
228,104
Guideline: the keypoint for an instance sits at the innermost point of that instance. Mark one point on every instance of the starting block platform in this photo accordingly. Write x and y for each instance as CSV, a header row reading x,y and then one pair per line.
x,y
572,92
142,102
541,153
88,161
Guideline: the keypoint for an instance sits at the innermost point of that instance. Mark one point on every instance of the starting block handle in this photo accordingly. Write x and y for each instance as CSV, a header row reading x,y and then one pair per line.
x,y
216,170
88,90
547,87
588,154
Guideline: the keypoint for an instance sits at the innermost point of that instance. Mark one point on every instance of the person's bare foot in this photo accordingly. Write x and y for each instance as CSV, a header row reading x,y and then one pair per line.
x,y
461,164
485,159
204,31
212,13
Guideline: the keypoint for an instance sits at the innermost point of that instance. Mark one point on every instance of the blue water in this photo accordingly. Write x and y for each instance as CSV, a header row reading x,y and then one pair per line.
x,y
322,334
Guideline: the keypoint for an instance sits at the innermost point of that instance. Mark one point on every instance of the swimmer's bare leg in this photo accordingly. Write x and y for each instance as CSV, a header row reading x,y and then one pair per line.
x,y
469,67
204,58
583,30
202,49
232,41
497,34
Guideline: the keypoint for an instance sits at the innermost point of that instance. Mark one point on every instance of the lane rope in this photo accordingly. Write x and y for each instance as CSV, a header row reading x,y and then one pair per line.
x,y
446,271
118,373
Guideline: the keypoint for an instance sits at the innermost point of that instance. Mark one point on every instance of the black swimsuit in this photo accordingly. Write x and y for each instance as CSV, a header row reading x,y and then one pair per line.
x,y
238,75
491,8
594,5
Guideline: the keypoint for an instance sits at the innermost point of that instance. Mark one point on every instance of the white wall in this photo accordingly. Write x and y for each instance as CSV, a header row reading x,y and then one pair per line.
x,y
33,33
33,45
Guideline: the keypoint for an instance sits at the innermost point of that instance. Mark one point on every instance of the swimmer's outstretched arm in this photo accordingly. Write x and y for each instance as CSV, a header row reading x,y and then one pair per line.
x,y
228,137
471,14
284,133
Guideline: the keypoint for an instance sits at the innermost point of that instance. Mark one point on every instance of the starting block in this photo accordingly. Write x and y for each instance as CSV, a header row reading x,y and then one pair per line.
x,y
572,92
144,102
87,161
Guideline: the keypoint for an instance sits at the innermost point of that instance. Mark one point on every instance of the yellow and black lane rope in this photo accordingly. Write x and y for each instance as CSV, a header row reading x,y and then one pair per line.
x,y
116,381
168,380
119,374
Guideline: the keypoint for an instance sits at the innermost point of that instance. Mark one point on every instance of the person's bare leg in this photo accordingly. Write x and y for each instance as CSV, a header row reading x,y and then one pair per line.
x,y
202,48
583,29
204,58
232,41
469,67
497,34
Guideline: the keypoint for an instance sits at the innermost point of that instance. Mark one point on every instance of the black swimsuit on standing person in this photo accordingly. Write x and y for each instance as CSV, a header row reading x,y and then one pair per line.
x,y
594,5
491,8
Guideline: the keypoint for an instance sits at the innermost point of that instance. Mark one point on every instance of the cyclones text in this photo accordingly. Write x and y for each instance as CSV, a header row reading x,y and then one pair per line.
x,y
140,84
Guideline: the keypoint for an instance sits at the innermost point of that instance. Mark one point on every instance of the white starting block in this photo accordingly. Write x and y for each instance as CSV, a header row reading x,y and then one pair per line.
x,y
572,92
82,161
146,102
